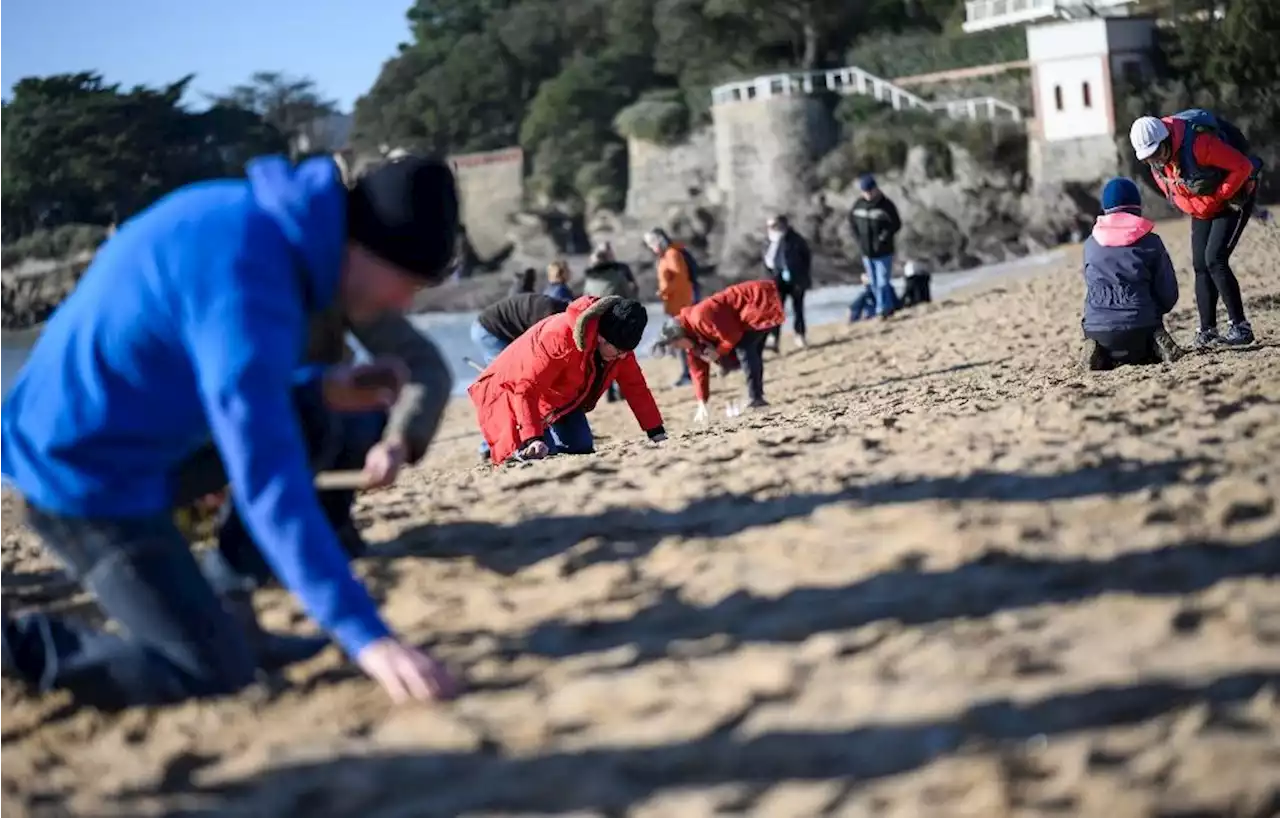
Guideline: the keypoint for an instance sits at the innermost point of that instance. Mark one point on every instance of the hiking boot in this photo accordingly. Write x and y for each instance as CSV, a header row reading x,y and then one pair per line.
x,y
1167,349
273,650
1206,337
758,403
1095,357
1238,335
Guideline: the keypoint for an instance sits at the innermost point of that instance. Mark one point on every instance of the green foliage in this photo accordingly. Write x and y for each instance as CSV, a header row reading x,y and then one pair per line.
x,y
60,242
80,151
915,53
658,116
291,105
877,139
564,77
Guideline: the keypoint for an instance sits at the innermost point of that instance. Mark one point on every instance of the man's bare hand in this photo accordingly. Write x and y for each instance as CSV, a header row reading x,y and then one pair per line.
x,y
406,673
383,463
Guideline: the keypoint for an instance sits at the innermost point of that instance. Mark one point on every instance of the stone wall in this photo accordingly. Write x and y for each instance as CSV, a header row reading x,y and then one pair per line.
x,y
491,185
661,178
1087,160
766,151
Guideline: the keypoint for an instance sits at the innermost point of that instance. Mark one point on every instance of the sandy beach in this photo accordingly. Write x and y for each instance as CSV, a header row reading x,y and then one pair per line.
x,y
948,573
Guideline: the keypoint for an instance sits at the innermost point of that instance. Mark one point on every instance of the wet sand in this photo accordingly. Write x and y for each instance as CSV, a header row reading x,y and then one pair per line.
x,y
947,574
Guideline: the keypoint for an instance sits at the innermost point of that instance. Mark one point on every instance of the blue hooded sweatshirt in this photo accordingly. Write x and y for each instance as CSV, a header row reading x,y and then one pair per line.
x,y
191,323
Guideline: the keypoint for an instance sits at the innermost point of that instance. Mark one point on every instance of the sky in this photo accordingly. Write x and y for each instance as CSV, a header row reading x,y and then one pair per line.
x,y
341,44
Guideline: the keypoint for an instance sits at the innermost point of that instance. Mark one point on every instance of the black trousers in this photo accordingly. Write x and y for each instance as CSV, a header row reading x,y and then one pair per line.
x,y
788,290
1129,346
750,352
917,291
1212,243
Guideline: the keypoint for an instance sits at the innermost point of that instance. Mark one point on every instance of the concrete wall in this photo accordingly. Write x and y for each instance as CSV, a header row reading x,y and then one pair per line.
x,y
661,177
765,152
1087,160
491,185
1073,97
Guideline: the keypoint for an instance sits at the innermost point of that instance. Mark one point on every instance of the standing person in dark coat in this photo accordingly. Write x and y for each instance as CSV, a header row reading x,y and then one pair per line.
x,y
875,223
502,323
788,260
1129,285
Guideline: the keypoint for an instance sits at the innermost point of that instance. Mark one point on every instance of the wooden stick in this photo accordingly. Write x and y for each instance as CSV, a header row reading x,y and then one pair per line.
x,y
352,480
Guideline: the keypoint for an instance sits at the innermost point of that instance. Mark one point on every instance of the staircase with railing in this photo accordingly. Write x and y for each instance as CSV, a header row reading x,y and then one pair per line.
x,y
982,15
853,80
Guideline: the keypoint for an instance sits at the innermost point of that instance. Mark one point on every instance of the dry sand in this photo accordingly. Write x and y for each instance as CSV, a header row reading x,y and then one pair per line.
x,y
949,573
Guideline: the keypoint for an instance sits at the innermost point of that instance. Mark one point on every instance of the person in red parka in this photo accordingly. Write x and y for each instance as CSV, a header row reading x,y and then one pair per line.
x,y
729,327
533,398
1201,165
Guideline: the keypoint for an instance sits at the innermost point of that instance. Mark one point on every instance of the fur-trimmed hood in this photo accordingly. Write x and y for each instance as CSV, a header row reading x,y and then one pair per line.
x,y
586,312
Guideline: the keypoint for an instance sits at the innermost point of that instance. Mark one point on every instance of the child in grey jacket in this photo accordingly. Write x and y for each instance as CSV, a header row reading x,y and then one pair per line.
x,y
1129,285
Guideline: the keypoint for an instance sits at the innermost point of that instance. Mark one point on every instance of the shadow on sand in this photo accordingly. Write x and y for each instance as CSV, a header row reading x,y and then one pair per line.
x,y
610,780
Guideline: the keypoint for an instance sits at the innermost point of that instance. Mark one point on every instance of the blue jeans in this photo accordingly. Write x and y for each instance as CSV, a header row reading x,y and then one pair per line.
x,y
864,306
181,641
571,435
881,269
491,346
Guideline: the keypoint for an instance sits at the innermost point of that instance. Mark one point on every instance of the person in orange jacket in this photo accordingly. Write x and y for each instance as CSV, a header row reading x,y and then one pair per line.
x,y
730,327
676,286
1201,164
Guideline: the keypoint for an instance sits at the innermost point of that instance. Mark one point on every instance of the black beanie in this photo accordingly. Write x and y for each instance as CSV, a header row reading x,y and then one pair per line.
x,y
406,212
623,324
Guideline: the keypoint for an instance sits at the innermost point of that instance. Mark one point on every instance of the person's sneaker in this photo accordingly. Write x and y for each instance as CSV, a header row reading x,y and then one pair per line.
x,y
1095,357
683,380
758,403
1237,335
800,342
1167,348
1206,337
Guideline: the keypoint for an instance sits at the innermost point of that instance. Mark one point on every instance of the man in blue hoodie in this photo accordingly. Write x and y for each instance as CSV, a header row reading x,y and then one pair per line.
x,y
190,326
1129,285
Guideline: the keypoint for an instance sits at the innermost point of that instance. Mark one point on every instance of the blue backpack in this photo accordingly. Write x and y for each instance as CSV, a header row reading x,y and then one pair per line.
x,y
1203,181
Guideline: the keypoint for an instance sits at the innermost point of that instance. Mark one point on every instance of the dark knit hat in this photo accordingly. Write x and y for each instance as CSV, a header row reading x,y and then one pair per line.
x,y
866,182
623,324
1121,194
406,212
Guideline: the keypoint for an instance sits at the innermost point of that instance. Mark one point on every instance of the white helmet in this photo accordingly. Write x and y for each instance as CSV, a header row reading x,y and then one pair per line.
x,y
1146,135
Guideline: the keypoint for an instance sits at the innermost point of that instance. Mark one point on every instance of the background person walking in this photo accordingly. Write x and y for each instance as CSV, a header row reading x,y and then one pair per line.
x,y
875,223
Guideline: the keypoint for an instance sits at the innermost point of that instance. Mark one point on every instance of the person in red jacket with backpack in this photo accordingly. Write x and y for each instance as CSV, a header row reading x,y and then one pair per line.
x,y
1201,163
734,322
532,400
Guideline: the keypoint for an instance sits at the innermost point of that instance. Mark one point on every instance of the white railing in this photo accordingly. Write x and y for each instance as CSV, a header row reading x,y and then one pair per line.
x,y
853,80
980,15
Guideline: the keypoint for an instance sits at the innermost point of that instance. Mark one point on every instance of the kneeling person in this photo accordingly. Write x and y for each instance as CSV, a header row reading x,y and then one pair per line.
x,y
1130,285
533,399
500,324
735,321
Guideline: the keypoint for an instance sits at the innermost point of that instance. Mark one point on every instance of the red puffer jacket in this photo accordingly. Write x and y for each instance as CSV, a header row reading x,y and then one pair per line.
x,y
724,318
549,372
1209,152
